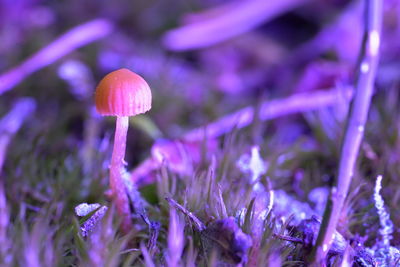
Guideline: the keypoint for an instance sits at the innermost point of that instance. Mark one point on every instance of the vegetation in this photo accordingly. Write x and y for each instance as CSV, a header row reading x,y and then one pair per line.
x,y
235,161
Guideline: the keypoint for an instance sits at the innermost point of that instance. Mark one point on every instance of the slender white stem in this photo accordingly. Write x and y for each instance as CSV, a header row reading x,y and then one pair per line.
x,y
116,171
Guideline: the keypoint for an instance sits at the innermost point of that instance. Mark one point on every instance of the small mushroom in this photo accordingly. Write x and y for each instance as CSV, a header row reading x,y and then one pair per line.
x,y
121,93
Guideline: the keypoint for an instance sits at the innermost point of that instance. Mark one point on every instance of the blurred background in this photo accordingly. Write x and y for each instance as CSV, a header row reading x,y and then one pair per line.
x,y
203,59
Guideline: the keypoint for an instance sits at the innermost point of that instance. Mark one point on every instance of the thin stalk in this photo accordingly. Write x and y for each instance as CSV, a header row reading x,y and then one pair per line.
x,y
116,171
364,86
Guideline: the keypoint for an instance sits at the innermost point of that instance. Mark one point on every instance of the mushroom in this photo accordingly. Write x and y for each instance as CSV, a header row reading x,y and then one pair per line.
x,y
121,93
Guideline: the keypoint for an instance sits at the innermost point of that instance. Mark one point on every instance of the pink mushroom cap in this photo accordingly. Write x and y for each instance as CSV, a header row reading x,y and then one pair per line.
x,y
122,93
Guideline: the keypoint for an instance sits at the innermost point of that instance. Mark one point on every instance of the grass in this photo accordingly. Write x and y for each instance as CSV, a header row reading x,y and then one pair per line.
x,y
201,209
39,227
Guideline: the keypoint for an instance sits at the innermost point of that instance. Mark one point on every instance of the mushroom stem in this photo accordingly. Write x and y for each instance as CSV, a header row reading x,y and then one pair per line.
x,y
116,171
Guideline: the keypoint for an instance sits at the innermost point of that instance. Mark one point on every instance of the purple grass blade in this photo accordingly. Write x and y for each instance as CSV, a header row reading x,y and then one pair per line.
x,y
270,110
367,67
229,21
66,43
11,123
6,244
176,239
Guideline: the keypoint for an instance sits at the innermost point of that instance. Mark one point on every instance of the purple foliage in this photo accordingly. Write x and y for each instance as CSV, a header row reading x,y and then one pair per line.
x,y
294,79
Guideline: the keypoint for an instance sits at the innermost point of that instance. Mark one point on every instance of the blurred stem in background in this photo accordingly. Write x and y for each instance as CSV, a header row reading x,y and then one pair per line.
x,y
81,35
364,85
224,22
